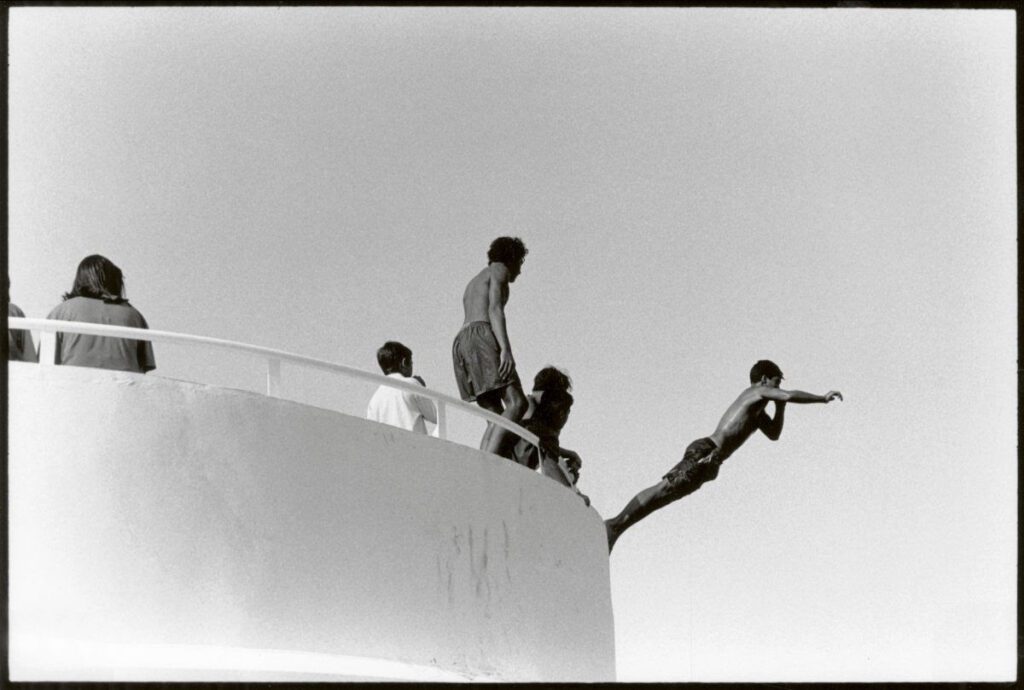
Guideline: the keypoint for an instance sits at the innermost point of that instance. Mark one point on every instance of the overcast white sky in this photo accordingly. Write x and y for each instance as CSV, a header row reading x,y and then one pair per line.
x,y
831,189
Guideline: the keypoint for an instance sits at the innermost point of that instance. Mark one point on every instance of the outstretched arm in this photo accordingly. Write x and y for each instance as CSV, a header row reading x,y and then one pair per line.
x,y
779,395
498,290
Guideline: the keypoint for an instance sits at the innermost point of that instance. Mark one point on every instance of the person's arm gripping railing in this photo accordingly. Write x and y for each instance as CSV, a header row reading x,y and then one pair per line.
x,y
273,358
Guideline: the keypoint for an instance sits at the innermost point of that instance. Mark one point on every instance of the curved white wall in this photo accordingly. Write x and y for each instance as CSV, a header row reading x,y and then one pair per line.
x,y
167,530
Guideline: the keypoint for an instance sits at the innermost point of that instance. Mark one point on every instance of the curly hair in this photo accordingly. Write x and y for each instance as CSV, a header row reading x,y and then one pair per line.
x,y
551,379
507,250
764,367
99,278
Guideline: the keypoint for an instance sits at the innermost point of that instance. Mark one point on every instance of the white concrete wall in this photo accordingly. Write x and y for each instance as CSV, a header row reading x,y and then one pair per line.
x,y
149,514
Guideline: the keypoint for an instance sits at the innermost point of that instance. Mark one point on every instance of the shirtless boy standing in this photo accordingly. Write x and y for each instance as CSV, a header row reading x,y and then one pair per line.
x,y
484,367
703,457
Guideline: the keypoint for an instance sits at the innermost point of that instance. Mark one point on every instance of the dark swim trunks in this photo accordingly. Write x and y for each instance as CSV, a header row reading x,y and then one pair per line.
x,y
476,357
700,464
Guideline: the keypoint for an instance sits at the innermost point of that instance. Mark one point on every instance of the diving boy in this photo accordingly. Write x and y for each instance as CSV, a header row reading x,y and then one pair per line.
x,y
704,456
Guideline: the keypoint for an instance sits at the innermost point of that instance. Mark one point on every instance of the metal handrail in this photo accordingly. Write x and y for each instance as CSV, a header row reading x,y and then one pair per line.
x,y
274,359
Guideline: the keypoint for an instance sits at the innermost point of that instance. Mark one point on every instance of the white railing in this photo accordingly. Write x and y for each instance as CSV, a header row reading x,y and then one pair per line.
x,y
273,361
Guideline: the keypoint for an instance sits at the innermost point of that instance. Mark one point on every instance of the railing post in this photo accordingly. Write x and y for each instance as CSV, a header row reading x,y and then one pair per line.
x,y
442,420
273,377
47,347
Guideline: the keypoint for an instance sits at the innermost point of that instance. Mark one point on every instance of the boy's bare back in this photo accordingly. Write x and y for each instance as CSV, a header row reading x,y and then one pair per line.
x,y
485,370
491,282
747,413
740,420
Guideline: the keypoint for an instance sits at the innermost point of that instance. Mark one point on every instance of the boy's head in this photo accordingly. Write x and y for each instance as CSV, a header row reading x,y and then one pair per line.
x,y
509,251
394,357
552,379
553,409
764,371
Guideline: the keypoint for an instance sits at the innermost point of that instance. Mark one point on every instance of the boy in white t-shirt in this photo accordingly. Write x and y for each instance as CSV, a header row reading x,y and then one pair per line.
x,y
396,406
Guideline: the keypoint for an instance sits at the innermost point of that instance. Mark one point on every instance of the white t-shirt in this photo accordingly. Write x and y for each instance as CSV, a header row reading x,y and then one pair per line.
x,y
402,408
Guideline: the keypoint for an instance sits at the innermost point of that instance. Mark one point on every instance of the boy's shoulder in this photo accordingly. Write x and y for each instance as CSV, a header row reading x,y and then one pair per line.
x,y
751,394
497,271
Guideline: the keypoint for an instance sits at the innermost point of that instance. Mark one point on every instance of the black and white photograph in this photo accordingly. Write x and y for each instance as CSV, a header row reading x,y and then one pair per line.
x,y
512,344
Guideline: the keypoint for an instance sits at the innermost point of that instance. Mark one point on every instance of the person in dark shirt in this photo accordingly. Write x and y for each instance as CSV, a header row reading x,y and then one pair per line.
x,y
97,296
551,378
547,421
20,347
548,418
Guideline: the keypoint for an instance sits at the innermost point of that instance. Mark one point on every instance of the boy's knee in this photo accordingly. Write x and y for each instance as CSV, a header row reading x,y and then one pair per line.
x,y
683,489
515,402
667,493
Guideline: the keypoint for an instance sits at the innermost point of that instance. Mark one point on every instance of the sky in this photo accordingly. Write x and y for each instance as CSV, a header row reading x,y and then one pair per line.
x,y
698,189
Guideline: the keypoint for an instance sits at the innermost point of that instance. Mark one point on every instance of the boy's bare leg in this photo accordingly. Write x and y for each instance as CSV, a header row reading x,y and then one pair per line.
x,y
492,403
515,407
505,446
643,504
639,507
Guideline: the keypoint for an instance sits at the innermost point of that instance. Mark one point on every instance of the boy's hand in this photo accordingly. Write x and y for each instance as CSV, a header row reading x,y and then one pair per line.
x,y
571,457
506,364
833,395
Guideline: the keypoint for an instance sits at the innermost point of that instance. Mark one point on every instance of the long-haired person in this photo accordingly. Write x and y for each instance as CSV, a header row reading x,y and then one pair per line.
x,y
97,296
19,343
